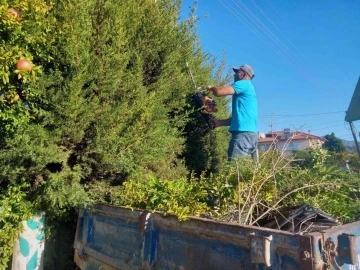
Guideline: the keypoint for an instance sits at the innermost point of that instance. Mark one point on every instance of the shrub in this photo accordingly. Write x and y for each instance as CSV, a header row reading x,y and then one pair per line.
x,y
14,208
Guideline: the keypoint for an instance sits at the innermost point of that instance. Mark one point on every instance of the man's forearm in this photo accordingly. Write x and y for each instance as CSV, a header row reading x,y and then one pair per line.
x,y
223,123
221,91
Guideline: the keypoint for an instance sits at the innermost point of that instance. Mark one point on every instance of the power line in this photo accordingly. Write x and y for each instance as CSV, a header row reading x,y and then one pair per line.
x,y
266,30
326,127
300,115
346,127
269,19
271,123
270,40
325,124
308,23
318,35
277,12
250,28
350,136
278,27
253,30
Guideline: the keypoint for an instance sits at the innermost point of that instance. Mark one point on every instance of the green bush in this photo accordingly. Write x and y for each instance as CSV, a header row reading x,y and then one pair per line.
x,y
105,115
27,35
106,102
14,208
337,188
245,191
178,197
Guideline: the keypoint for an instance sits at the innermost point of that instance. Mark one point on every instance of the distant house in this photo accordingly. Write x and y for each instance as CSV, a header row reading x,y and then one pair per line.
x,y
287,141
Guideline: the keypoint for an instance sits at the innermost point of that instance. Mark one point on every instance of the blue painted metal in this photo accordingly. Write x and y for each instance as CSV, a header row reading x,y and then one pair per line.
x,y
117,238
346,240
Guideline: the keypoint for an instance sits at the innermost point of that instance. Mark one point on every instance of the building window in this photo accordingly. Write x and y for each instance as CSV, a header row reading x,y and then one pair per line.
x,y
264,147
292,146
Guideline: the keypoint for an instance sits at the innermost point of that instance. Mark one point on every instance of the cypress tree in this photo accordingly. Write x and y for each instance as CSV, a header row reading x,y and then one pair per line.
x,y
112,102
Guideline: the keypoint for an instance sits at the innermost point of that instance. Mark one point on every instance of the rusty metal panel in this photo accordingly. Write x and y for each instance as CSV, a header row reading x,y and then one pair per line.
x,y
205,244
110,236
347,248
305,253
117,238
342,247
311,246
260,249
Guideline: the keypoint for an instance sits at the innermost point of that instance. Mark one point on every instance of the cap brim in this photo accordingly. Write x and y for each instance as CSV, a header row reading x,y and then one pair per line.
x,y
236,69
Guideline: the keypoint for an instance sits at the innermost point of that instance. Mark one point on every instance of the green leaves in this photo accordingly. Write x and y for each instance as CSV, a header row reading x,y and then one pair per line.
x,y
178,197
104,102
14,208
25,30
334,144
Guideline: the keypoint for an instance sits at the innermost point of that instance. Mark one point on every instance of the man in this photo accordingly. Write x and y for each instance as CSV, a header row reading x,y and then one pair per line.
x,y
243,123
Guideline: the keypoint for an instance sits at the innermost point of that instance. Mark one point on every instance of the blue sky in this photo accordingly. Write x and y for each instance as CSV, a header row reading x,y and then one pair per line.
x,y
306,56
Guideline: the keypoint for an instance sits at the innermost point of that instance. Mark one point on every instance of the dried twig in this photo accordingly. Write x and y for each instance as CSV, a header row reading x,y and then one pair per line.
x,y
285,196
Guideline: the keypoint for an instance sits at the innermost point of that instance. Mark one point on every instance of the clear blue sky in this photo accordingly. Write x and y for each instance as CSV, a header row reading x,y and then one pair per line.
x,y
308,64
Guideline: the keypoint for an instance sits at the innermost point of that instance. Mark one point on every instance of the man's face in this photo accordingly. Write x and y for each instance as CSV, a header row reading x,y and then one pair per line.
x,y
239,75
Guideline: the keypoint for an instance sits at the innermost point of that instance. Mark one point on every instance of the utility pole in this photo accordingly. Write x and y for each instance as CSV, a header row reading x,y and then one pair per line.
x,y
271,123
355,139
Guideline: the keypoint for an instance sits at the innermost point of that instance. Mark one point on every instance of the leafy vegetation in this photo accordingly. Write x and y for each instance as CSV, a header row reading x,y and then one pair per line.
x,y
102,98
338,189
102,112
247,191
334,144
14,208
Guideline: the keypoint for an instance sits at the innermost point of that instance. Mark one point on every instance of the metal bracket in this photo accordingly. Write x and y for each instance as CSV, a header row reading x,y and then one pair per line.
x,y
342,253
82,254
260,249
306,253
330,255
144,221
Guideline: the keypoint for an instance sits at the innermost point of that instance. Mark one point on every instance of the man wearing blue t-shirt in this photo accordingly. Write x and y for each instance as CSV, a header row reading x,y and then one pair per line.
x,y
243,123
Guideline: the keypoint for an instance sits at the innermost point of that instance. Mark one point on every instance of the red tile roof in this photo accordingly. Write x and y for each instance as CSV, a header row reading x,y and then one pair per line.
x,y
268,139
277,136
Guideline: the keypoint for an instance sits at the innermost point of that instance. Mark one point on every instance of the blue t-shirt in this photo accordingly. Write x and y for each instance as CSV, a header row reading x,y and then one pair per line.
x,y
244,107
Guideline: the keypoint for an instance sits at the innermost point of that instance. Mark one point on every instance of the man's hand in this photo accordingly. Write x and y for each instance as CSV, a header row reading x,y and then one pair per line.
x,y
221,123
215,122
210,88
221,90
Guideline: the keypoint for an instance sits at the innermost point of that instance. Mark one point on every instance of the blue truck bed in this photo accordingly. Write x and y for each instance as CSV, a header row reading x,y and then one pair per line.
x,y
111,237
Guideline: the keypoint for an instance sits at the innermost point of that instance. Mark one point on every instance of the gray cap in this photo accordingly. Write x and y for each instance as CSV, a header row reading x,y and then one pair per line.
x,y
247,68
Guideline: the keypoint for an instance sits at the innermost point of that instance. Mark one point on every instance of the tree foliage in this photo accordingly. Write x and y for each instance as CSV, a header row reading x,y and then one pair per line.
x,y
105,114
334,144
26,34
249,192
107,99
14,208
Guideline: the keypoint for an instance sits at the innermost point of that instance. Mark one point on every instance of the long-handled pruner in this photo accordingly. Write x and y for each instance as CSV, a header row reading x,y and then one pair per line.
x,y
204,103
